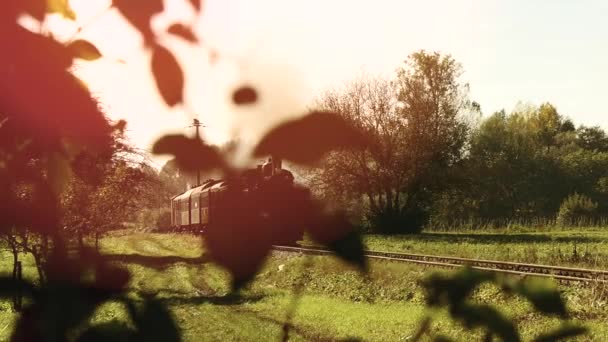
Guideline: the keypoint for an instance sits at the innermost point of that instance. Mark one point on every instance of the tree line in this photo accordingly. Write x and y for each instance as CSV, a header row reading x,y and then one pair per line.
x,y
437,162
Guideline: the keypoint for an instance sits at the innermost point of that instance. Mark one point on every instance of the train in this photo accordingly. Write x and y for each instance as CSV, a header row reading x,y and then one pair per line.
x,y
194,209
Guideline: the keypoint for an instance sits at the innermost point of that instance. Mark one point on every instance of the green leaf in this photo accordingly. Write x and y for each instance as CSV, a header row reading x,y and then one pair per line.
x,y
308,139
567,331
61,7
84,50
168,75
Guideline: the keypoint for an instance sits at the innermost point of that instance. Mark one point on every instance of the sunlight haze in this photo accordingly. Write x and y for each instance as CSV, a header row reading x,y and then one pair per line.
x,y
529,51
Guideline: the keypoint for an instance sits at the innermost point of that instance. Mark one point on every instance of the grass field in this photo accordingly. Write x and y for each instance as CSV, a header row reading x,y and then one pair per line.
x,y
338,303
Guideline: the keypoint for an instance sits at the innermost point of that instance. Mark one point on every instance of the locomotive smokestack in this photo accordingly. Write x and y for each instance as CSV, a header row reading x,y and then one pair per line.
x,y
277,163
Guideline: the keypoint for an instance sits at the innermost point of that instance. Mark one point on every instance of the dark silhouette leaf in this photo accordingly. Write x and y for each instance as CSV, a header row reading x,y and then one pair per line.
x,y
350,248
139,13
110,331
111,277
155,323
474,316
84,50
183,31
168,75
42,99
547,301
230,240
308,139
35,8
454,289
564,332
190,154
245,95
10,286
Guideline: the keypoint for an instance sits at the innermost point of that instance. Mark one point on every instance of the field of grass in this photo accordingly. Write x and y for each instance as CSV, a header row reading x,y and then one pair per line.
x,y
586,248
338,303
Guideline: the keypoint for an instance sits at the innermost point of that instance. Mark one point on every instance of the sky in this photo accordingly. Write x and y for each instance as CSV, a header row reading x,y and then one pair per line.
x,y
530,51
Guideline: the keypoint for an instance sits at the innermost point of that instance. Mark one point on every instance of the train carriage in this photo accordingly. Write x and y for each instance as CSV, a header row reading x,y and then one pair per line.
x,y
193,210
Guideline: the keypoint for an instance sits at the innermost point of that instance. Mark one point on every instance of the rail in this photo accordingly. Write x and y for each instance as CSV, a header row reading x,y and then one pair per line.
x,y
556,272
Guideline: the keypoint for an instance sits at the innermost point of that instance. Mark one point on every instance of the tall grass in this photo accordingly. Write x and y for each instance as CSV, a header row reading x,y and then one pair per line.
x,y
542,224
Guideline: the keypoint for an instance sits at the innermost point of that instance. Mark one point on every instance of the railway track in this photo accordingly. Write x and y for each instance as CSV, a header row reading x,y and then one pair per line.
x,y
567,274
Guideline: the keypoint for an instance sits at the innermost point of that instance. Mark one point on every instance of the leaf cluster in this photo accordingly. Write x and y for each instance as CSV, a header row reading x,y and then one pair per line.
x,y
454,292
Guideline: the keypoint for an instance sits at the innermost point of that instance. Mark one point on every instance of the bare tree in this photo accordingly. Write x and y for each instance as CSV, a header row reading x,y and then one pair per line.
x,y
418,125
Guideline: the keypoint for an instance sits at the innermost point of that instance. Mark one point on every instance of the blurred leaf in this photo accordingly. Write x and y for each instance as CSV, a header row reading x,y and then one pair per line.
x,y
455,288
545,300
61,7
59,172
308,139
168,75
245,95
474,316
110,331
139,13
564,332
155,323
183,31
442,338
190,154
10,286
35,8
230,240
111,277
84,50
340,236
38,82
350,248
197,4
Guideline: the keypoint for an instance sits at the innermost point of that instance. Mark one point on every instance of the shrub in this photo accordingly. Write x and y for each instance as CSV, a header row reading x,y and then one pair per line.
x,y
398,221
576,210
154,218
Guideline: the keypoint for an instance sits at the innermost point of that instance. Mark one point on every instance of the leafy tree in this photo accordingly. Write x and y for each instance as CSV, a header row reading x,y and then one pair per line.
x,y
592,138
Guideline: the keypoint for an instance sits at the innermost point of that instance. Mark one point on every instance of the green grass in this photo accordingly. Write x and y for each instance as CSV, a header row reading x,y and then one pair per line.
x,y
339,303
578,248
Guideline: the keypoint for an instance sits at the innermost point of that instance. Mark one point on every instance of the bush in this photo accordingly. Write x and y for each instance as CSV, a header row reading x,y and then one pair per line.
x,y
576,210
163,220
398,222
154,218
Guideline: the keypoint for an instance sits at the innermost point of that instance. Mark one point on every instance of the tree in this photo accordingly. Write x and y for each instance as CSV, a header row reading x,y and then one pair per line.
x,y
592,138
418,124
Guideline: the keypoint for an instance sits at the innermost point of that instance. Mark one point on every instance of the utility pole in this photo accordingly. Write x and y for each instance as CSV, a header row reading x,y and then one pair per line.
x,y
196,123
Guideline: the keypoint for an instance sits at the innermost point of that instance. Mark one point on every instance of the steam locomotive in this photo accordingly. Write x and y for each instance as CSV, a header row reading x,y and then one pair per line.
x,y
193,210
